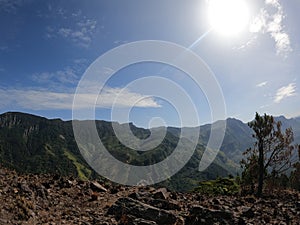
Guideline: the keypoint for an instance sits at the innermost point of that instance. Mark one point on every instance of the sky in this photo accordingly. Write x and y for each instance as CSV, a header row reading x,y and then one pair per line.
x,y
46,48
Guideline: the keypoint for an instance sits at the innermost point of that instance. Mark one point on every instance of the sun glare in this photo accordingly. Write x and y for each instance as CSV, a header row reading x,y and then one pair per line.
x,y
228,17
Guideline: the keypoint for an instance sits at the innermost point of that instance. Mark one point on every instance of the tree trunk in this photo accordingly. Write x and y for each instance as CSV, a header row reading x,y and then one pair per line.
x,y
261,168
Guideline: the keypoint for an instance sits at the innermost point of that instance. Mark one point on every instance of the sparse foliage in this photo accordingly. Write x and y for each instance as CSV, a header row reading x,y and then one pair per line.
x,y
250,171
271,152
295,175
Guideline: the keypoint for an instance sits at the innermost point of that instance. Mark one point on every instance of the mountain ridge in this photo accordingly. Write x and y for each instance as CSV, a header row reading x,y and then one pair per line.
x,y
35,144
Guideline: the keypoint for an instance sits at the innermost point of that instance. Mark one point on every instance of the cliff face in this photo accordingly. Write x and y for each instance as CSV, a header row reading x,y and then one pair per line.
x,y
47,199
33,144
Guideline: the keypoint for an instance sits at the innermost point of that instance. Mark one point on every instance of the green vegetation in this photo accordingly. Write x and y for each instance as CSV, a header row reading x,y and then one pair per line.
x,y
33,144
49,150
270,157
220,186
294,178
266,165
83,172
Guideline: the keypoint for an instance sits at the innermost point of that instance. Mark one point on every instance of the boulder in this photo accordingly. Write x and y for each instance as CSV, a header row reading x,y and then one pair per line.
x,y
161,193
209,216
164,204
134,208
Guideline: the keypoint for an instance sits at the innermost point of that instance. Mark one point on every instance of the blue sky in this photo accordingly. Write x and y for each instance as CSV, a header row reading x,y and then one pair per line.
x,y
46,46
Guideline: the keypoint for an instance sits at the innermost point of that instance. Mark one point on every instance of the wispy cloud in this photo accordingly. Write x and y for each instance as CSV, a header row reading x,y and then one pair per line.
x,y
81,33
60,80
116,97
265,106
284,92
11,6
262,84
270,20
65,76
80,61
47,100
73,25
3,48
120,42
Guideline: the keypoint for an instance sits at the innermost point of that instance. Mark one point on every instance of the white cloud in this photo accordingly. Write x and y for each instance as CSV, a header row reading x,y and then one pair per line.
x,y
65,32
120,42
81,33
80,61
66,79
268,21
65,76
73,25
259,22
273,2
125,98
68,76
47,100
284,92
262,84
265,106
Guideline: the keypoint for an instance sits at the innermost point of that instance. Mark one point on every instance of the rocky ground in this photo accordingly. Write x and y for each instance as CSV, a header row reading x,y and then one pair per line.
x,y
46,199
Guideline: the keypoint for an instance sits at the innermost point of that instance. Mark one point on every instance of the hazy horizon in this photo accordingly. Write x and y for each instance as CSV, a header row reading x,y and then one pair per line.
x,y
65,120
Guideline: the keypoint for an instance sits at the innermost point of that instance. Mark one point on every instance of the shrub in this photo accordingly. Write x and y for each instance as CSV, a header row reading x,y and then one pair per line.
x,y
220,186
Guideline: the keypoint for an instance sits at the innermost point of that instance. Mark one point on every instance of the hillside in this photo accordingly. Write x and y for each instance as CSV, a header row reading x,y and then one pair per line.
x,y
33,144
238,137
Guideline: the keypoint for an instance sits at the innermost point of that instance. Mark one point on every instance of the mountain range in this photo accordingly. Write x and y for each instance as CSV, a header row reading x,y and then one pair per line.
x,y
34,144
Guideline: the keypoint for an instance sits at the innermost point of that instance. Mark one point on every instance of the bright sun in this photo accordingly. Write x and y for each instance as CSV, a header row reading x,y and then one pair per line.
x,y
228,17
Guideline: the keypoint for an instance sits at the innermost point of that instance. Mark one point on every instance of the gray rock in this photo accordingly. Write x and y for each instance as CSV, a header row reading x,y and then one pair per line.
x,y
139,221
161,193
137,209
164,204
200,210
210,216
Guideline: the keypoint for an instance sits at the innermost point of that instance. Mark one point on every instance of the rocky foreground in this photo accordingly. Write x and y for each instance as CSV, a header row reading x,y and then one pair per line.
x,y
46,199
